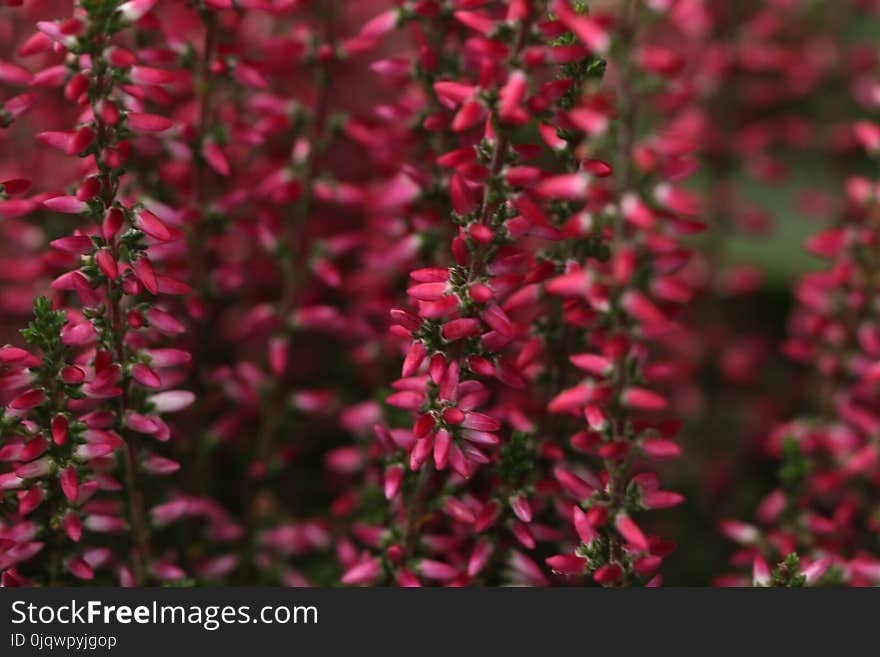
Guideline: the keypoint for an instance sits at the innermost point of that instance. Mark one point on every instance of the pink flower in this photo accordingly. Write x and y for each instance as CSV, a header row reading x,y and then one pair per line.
x,y
65,204
134,10
148,122
171,401
12,74
437,570
567,564
364,572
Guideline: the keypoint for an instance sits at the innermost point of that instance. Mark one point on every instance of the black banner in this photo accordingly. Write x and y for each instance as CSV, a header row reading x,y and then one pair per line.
x,y
392,621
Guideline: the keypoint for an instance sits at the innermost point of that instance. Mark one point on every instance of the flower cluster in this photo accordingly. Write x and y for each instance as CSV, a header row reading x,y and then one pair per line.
x,y
818,525
82,430
535,354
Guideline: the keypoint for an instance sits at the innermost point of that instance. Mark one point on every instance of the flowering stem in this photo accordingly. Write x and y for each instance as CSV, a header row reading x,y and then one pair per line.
x,y
502,144
204,86
136,508
117,333
198,244
623,170
489,205
293,268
